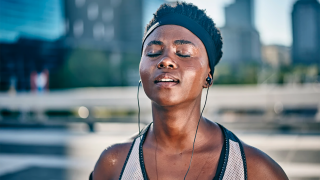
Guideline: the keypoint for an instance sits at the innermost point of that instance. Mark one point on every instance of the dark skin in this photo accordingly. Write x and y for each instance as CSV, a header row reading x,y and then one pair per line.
x,y
173,52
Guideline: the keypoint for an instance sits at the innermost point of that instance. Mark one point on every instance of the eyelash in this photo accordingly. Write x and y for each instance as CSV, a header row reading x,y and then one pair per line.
x,y
158,54
153,55
184,56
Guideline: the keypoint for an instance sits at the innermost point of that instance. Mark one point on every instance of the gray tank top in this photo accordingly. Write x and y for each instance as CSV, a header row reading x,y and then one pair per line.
x,y
231,165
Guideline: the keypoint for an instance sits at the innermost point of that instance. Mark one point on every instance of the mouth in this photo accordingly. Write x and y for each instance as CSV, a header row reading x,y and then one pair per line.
x,y
166,80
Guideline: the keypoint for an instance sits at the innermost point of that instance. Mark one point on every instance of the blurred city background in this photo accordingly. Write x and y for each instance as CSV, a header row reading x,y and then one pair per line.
x,y
69,76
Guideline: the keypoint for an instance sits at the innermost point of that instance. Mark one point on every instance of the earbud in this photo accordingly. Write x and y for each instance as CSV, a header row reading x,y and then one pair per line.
x,y
209,80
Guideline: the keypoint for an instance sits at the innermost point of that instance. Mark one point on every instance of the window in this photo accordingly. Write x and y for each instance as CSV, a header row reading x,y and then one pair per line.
x,y
80,3
107,14
98,31
78,28
93,11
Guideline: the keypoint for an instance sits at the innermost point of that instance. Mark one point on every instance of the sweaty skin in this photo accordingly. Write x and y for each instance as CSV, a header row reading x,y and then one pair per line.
x,y
173,52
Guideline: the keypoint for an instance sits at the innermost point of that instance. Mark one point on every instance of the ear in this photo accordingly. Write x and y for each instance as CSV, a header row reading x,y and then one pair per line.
x,y
206,84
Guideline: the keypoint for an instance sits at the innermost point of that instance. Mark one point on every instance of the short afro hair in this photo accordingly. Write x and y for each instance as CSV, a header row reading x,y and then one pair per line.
x,y
194,13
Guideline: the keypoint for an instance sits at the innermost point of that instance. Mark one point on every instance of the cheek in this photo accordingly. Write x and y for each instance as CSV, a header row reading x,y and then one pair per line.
x,y
192,80
195,72
194,77
145,70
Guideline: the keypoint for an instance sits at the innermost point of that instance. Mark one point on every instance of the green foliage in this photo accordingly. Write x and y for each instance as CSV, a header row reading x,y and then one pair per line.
x,y
298,74
253,73
237,74
289,74
82,68
94,68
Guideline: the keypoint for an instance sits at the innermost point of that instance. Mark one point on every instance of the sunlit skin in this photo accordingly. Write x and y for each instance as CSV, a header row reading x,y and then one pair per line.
x,y
173,52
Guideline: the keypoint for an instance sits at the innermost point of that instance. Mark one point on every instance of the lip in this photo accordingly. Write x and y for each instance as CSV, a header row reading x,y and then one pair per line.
x,y
166,84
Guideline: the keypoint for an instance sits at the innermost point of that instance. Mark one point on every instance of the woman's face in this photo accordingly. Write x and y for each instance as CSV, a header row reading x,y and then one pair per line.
x,y
174,66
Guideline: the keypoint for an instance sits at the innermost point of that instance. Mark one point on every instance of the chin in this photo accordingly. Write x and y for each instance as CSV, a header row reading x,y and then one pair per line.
x,y
165,100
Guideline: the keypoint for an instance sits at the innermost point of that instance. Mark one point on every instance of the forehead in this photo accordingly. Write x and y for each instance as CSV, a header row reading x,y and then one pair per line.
x,y
170,33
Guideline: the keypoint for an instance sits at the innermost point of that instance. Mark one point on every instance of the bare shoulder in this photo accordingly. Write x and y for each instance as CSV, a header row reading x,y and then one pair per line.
x,y
261,166
111,161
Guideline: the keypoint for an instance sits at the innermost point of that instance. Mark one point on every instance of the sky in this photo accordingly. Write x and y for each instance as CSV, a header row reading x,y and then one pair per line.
x,y
272,18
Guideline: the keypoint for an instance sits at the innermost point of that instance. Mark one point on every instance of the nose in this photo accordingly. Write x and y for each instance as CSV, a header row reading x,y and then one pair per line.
x,y
166,62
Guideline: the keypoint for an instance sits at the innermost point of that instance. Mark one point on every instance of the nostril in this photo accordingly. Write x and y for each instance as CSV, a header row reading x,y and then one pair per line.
x,y
171,65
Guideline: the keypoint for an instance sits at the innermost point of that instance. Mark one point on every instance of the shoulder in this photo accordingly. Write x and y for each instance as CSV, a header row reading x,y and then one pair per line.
x,y
111,161
261,166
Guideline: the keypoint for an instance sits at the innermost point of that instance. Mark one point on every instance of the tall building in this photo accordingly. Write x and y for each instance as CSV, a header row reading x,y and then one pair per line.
x,y
29,42
36,37
241,41
306,32
112,25
276,55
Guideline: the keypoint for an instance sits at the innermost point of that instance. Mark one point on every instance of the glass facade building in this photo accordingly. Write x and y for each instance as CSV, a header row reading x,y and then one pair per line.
x,y
306,32
29,41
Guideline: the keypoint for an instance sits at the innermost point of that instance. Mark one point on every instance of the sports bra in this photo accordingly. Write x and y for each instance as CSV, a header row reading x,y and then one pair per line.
x,y
232,162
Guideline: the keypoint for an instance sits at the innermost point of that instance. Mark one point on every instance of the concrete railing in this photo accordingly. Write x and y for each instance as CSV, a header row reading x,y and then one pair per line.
x,y
270,99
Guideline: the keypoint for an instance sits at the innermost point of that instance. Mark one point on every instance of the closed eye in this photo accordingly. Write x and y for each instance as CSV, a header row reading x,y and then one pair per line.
x,y
153,54
183,55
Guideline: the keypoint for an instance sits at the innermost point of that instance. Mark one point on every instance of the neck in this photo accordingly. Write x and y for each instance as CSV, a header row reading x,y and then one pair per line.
x,y
175,126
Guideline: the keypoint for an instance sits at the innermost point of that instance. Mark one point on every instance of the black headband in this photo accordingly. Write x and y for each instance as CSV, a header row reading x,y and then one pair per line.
x,y
194,27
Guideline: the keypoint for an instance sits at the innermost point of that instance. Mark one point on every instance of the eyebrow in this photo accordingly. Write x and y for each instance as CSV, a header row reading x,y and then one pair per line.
x,y
155,42
181,42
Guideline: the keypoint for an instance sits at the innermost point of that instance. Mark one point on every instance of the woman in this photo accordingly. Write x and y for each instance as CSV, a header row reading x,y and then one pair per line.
x,y
180,48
